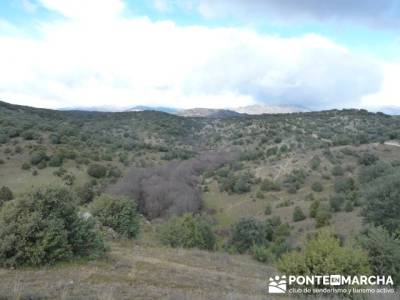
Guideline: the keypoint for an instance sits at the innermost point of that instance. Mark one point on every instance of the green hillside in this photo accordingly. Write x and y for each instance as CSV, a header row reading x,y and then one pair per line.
x,y
232,195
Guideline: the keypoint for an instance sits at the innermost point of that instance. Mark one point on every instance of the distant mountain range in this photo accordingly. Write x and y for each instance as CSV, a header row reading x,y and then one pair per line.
x,y
208,112
196,112
217,113
264,109
390,110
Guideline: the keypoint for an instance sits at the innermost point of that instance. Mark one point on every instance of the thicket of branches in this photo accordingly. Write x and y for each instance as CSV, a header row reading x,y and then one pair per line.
x,y
171,189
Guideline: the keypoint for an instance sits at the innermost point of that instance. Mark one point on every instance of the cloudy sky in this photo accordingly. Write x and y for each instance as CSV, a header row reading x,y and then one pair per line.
x,y
200,53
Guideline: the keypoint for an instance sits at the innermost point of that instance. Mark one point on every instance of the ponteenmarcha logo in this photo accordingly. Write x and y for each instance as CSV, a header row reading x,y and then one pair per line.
x,y
277,285
330,283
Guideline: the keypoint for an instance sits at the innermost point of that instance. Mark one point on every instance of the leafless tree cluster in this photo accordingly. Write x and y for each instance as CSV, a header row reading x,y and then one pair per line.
x,y
170,189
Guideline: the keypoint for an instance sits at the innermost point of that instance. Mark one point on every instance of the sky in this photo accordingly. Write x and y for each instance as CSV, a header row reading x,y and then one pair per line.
x,y
311,54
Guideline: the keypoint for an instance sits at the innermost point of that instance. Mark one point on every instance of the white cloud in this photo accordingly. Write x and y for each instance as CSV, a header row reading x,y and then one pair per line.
x,y
95,56
389,94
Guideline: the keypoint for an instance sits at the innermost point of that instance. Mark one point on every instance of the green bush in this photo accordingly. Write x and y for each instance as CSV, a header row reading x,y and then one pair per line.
x,y
349,206
337,171
246,233
344,185
26,166
119,213
85,193
42,165
188,231
55,161
298,214
314,207
368,159
69,179
315,162
97,171
5,194
323,254
262,254
242,184
372,172
269,185
336,202
28,135
322,218
44,227
37,157
268,209
317,187
260,194
295,180
382,205
383,252
3,138
115,172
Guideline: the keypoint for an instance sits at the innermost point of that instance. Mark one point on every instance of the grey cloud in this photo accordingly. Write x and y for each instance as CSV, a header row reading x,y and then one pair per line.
x,y
321,78
368,12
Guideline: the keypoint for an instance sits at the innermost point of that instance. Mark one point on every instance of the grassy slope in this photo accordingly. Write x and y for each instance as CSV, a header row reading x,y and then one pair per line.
x,y
134,271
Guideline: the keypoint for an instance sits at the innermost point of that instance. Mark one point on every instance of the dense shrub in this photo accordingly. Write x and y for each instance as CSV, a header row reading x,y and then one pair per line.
x,y
37,157
383,252
269,185
26,166
344,184
367,159
317,187
42,165
115,172
97,171
382,205
370,173
246,233
322,218
69,179
44,227
315,162
298,214
242,184
262,254
85,193
295,180
119,213
55,160
5,194
323,254
314,208
28,135
3,138
188,231
268,209
237,184
250,234
337,171
336,202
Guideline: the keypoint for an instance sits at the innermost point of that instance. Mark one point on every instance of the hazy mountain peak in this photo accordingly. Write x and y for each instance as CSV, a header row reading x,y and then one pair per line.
x,y
259,109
